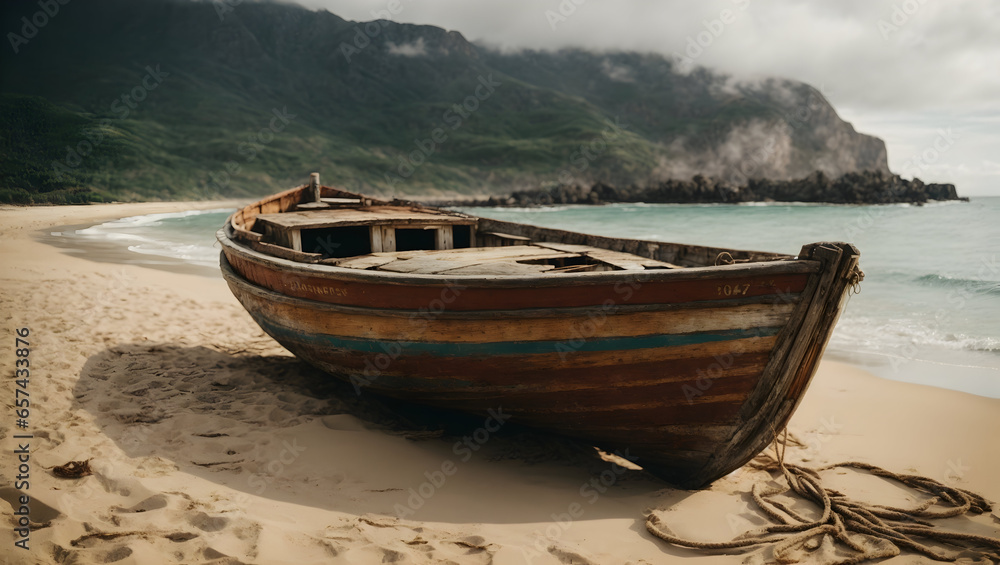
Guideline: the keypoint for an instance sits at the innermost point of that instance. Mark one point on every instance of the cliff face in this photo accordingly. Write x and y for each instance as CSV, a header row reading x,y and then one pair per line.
x,y
378,107
798,134
823,140
707,123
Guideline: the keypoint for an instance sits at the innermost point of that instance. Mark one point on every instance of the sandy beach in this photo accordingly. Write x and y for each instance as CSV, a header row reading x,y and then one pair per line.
x,y
209,443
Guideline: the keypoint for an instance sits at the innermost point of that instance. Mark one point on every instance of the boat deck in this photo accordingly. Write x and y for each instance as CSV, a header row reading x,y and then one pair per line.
x,y
315,224
406,239
525,259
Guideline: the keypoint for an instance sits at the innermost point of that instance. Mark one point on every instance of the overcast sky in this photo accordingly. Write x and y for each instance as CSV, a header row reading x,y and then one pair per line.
x,y
924,75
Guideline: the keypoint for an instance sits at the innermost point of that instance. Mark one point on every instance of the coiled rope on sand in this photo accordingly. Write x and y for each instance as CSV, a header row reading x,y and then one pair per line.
x,y
867,531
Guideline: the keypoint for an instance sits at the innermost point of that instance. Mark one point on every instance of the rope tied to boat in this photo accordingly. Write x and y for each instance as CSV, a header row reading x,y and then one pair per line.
x,y
866,531
854,280
724,258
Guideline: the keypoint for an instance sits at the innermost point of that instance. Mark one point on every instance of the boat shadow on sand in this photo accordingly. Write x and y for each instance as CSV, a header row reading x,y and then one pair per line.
x,y
264,424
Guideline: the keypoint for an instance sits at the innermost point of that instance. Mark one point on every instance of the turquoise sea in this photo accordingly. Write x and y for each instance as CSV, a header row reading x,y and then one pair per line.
x,y
928,311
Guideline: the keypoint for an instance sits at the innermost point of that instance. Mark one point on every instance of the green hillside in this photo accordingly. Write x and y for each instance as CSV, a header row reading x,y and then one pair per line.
x,y
165,99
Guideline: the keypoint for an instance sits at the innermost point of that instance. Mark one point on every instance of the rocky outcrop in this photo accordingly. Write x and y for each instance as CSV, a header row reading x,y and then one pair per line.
x,y
851,188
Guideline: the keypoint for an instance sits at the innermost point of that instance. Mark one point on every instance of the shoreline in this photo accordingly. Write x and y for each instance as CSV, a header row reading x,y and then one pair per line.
x,y
963,376
976,376
199,425
107,251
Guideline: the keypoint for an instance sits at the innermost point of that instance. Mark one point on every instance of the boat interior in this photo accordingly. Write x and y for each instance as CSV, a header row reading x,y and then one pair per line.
x,y
323,225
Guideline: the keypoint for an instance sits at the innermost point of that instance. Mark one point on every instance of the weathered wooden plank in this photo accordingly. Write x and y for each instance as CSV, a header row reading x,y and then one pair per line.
x,y
507,236
436,265
470,257
718,406
674,382
693,366
567,247
311,206
309,320
270,207
423,265
658,403
443,238
375,238
619,260
486,253
362,261
247,236
656,361
383,215
586,267
499,268
285,253
616,258
388,238
244,220
526,380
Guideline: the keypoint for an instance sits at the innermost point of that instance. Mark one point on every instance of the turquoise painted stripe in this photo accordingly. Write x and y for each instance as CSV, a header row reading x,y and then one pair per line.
x,y
449,349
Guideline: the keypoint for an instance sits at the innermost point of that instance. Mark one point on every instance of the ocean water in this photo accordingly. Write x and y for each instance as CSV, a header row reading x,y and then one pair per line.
x,y
157,240
929,307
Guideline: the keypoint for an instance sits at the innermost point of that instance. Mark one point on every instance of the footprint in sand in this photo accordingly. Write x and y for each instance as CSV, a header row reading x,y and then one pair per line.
x,y
207,523
155,502
116,554
387,540
569,557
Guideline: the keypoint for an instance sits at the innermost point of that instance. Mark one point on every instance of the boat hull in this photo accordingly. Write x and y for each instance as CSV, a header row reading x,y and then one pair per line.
x,y
688,371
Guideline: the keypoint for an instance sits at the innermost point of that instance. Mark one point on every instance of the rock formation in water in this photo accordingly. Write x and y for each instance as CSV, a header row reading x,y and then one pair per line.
x,y
850,188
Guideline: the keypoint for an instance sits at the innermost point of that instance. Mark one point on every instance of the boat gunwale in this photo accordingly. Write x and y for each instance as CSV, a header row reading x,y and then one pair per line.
x,y
789,266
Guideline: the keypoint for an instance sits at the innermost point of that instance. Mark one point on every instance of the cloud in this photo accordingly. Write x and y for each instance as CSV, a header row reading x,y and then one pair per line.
x,y
912,60
412,49
955,43
617,73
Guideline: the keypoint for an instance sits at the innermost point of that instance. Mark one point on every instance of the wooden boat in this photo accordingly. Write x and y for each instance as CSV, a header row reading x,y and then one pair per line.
x,y
687,358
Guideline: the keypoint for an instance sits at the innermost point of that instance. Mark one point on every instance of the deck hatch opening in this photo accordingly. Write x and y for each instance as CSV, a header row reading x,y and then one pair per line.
x,y
462,236
348,241
408,239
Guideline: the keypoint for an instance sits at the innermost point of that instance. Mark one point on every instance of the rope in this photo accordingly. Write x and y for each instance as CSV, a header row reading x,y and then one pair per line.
x,y
854,280
724,258
868,531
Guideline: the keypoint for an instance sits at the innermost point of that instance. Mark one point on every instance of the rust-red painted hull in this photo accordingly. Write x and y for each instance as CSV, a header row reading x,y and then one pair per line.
x,y
676,400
